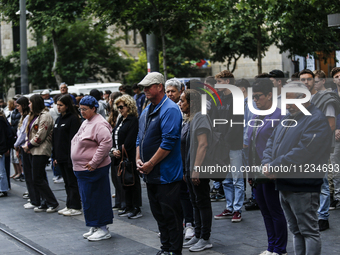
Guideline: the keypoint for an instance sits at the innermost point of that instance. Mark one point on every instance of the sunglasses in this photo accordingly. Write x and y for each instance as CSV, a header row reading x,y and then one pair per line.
x,y
306,79
121,107
257,97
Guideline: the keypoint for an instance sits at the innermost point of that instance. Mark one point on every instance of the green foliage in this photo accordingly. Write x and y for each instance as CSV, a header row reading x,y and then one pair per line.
x,y
139,69
178,17
85,52
233,32
301,26
9,67
179,51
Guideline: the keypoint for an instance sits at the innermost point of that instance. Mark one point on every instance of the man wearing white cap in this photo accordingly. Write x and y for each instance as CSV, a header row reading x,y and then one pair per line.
x,y
48,100
159,160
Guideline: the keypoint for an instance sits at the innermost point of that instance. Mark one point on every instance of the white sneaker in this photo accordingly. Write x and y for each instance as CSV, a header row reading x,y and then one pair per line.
x,y
266,253
189,231
72,212
63,210
92,230
100,234
52,209
29,206
59,180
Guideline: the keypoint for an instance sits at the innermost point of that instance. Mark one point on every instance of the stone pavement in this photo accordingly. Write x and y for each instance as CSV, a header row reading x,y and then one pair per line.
x,y
56,234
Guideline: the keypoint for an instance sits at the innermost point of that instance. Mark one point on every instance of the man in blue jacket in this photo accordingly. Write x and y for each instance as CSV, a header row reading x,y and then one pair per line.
x,y
158,158
304,145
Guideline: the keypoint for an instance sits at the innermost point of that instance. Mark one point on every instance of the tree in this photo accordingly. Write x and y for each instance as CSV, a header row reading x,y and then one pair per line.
x,y
8,70
48,17
301,27
236,30
178,18
86,52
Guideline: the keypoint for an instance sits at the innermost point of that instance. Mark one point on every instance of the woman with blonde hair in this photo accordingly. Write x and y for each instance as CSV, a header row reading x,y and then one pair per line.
x,y
124,136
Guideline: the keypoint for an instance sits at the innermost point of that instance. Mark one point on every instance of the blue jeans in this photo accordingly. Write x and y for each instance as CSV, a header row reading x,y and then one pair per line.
x,y
324,200
3,175
233,185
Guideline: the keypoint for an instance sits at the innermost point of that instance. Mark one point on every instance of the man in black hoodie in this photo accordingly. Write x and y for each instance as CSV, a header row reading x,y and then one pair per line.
x,y
233,185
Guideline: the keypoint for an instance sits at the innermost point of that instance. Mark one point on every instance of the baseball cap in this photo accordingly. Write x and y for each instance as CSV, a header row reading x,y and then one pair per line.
x,y
276,74
46,91
152,78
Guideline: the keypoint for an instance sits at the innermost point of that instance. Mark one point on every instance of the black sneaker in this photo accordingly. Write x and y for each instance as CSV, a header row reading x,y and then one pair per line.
x,y
252,206
334,204
3,194
220,197
116,208
162,252
135,214
124,213
213,191
41,208
323,225
213,197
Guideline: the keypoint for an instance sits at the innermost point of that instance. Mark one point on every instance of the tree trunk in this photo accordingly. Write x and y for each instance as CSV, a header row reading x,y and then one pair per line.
x,y
143,35
259,56
235,61
164,53
56,51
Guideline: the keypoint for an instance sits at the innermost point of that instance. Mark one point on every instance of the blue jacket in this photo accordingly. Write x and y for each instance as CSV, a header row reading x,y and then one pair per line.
x,y
305,145
161,129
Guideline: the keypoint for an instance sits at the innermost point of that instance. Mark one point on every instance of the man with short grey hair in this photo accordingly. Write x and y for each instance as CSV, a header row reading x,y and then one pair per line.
x,y
64,91
300,144
174,89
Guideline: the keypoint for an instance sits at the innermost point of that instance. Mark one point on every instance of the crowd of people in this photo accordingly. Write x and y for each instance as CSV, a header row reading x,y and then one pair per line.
x,y
162,135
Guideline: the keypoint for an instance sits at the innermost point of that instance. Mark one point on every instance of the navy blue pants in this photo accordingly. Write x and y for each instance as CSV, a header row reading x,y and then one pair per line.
x,y
274,219
95,193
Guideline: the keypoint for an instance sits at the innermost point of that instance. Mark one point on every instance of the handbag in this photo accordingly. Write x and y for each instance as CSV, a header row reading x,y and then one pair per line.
x,y
125,169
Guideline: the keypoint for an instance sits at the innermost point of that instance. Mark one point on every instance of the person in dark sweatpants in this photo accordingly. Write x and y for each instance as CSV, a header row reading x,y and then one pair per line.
x,y
158,158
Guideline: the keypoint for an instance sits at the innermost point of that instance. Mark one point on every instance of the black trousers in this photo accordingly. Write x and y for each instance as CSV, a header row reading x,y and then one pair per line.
x,y
200,199
8,169
33,192
39,163
188,211
166,208
133,193
117,183
71,187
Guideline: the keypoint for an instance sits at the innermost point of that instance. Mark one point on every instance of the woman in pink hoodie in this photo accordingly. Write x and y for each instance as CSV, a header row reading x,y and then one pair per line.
x,y
91,162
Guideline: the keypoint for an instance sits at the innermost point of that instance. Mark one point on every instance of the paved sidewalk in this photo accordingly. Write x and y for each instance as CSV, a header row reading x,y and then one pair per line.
x,y
56,234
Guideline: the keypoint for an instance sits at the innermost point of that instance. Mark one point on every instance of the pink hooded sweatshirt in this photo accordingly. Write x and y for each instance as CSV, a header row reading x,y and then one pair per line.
x,y
92,144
